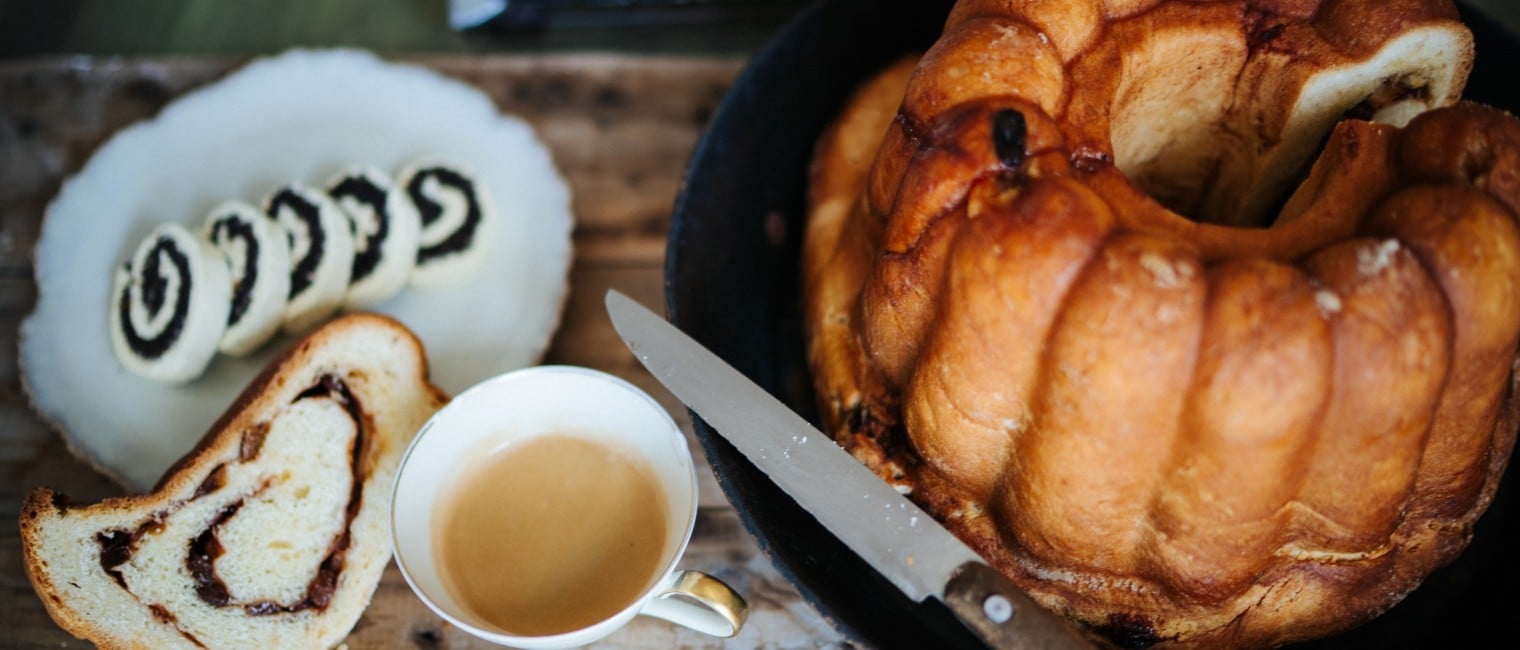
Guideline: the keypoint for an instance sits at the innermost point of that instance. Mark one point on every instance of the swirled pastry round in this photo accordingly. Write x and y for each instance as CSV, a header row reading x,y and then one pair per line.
x,y
169,305
1053,287
321,253
257,251
385,228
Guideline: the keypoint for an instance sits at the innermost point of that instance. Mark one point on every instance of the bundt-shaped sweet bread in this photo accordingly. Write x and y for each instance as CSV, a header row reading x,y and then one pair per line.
x,y
1077,279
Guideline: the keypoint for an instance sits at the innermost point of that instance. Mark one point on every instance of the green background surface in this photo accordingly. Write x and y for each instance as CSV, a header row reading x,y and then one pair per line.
x,y
240,27
237,27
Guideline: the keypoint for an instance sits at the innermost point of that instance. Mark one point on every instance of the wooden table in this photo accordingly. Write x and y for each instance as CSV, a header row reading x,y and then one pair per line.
x,y
621,130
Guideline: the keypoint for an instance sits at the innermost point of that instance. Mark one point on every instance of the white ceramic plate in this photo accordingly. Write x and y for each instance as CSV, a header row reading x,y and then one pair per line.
x,y
299,116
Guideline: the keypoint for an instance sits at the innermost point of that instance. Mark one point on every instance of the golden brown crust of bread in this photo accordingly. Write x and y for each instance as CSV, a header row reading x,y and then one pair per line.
x,y
256,395
1176,432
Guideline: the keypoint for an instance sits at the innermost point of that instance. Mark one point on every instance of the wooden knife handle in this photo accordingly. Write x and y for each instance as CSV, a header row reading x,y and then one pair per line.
x,y
1003,615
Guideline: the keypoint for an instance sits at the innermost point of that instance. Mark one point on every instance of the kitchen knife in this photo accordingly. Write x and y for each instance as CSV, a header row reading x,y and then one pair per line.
x,y
891,533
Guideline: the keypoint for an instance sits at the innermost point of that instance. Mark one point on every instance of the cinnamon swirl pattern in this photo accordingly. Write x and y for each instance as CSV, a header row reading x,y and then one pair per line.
x,y
455,214
321,253
385,229
170,305
306,254
258,259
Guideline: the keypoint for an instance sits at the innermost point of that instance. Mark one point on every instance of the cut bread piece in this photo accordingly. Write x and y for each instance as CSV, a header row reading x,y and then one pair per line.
x,y
272,532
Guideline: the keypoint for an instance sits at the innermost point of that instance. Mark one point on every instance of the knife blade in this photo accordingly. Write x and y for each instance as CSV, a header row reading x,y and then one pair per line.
x,y
901,541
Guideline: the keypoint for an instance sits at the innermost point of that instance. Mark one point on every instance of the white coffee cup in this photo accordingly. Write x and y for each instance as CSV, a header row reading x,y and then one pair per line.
x,y
542,400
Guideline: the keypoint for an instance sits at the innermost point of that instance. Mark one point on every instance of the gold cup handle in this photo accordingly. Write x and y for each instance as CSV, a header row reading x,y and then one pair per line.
x,y
699,601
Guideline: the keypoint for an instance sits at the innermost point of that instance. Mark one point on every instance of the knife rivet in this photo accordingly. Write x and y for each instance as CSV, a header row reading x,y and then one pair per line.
x,y
997,608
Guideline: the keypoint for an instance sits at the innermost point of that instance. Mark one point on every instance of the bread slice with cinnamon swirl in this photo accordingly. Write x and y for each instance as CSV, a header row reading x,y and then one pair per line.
x,y
272,532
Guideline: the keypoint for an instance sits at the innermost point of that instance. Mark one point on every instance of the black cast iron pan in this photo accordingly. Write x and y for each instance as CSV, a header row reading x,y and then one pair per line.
x,y
731,281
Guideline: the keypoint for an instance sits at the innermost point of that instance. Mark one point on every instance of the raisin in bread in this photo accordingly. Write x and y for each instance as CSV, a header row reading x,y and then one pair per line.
x,y
272,532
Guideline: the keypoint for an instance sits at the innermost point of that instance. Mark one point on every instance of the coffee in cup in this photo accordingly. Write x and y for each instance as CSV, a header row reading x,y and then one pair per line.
x,y
546,507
